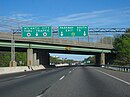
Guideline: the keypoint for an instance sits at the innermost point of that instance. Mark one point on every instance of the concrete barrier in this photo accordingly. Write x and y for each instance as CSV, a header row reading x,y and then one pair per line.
x,y
7,70
58,65
38,67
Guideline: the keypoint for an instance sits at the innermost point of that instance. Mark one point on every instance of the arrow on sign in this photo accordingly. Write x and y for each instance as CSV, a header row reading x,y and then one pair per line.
x,y
84,33
61,34
36,34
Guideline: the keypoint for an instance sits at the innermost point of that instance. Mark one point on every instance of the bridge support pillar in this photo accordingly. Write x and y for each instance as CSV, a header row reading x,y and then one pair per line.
x,y
102,58
12,64
35,59
44,58
109,58
30,57
98,59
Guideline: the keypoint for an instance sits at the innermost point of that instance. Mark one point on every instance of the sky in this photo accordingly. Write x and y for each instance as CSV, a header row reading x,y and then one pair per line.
x,y
93,13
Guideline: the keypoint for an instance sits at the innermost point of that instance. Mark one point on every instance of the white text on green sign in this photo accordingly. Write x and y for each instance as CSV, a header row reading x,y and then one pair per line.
x,y
36,31
69,31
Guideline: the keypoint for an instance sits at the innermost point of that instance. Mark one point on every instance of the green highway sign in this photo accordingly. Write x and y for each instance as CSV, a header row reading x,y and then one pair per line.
x,y
72,31
36,31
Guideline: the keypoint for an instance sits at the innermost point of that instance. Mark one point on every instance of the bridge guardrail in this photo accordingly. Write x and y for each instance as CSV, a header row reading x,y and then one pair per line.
x,y
17,37
118,68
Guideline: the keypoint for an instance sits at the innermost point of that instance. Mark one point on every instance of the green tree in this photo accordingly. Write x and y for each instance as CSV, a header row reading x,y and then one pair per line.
x,y
4,59
122,46
21,58
69,61
55,60
91,59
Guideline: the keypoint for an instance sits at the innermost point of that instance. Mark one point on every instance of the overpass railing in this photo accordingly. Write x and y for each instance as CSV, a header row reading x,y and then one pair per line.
x,y
17,37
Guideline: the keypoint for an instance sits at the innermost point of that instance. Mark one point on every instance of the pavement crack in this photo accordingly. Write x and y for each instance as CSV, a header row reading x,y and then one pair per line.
x,y
41,94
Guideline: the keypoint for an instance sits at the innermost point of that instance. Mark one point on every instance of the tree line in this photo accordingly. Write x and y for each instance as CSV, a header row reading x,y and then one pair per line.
x,y
121,45
5,58
57,60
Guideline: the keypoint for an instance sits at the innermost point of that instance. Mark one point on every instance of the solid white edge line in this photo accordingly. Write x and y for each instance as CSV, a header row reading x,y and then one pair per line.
x,y
114,77
62,78
20,76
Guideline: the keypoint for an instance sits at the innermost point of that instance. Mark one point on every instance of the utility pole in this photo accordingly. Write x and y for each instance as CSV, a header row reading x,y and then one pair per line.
x,y
13,47
13,61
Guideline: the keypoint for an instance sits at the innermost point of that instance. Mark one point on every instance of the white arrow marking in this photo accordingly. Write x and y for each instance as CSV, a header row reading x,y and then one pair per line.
x,y
36,34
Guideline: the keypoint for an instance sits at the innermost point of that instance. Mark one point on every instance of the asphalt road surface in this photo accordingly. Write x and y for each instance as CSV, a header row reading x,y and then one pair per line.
x,y
67,82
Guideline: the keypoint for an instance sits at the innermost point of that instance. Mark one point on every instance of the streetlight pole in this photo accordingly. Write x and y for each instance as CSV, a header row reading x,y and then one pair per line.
x,y
13,62
13,47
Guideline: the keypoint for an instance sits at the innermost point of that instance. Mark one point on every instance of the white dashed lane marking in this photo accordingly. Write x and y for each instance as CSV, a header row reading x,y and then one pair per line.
x,y
62,77
69,71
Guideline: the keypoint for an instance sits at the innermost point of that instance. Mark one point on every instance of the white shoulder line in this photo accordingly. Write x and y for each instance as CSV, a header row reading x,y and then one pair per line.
x,y
114,77
20,76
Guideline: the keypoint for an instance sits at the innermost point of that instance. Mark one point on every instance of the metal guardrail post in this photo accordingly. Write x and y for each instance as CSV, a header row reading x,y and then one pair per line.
x,y
119,68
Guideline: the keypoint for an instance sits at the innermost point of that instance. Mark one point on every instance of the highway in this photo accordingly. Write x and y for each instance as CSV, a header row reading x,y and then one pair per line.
x,y
67,82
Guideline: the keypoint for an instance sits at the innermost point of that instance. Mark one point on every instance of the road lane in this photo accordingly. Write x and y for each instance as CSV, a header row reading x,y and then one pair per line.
x,y
32,84
122,75
121,80
87,82
65,82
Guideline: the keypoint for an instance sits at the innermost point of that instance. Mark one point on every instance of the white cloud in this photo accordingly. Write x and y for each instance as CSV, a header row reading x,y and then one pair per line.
x,y
22,17
17,20
78,17
98,18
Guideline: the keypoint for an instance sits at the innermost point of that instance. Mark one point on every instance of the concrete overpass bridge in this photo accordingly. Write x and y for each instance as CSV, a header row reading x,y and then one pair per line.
x,y
38,49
